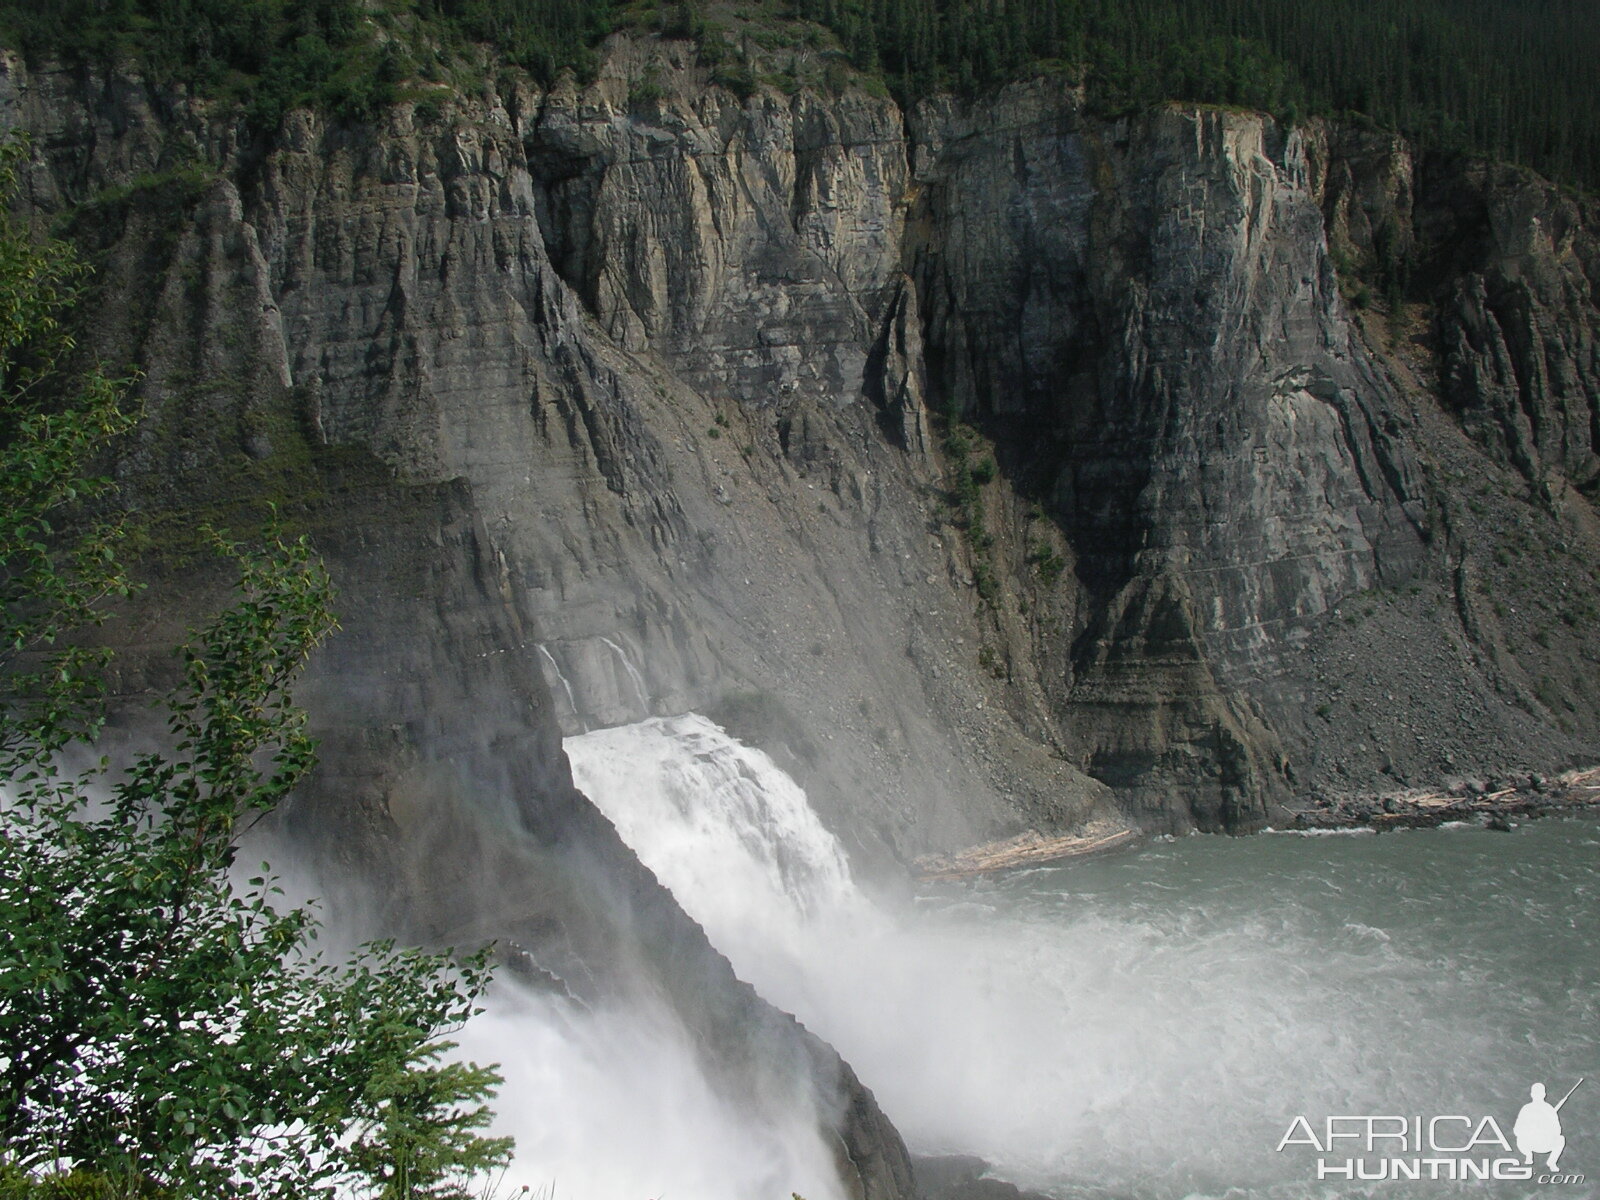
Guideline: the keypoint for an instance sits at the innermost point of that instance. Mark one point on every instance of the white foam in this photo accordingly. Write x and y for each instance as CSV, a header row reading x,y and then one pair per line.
x,y
614,1104
732,836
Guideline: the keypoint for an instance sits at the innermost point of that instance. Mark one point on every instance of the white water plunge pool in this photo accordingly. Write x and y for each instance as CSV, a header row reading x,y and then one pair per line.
x,y
1148,1025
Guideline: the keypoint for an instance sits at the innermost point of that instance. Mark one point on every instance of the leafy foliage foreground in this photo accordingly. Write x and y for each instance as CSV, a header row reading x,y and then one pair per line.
x,y
165,1028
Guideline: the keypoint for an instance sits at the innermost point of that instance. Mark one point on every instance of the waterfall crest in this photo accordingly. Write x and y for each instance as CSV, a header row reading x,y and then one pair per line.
x,y
729,833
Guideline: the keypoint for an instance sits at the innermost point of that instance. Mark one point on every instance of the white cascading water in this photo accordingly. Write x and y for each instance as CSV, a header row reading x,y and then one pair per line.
x,y
732,836
639,690
566,684
613,1103
1143,1026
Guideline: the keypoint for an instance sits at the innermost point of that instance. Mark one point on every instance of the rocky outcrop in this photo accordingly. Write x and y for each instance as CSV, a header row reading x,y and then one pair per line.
x,y
1507,262
749,244
1149,314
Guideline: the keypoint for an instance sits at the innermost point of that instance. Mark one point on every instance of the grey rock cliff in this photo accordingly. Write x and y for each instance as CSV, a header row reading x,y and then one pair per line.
x,y
284,358
1516,324
1149,315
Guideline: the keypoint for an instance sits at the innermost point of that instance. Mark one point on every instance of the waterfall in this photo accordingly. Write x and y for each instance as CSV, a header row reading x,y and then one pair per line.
x,y
633,674
566,685
732,836
612,1102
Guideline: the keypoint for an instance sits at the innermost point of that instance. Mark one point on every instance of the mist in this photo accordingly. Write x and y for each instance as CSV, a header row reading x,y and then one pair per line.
x,y
614,1102
606,1101
1144,1025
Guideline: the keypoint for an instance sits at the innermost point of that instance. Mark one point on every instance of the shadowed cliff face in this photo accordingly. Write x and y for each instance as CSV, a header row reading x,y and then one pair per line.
x,y
1148,315
1517,325
603,405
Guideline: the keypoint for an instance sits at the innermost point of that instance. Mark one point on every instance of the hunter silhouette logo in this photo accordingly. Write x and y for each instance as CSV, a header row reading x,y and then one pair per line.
x,y
1538,1127
1373,1147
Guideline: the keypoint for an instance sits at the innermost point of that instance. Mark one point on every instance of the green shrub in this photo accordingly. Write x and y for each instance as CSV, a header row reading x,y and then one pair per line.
x,y
163,1029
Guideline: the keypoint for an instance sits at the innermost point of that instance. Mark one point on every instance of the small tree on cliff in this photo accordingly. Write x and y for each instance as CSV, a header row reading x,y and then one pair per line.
x,y
162,1030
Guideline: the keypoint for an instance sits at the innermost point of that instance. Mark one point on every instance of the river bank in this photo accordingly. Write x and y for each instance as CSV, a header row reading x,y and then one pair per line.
x,y
1494,803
